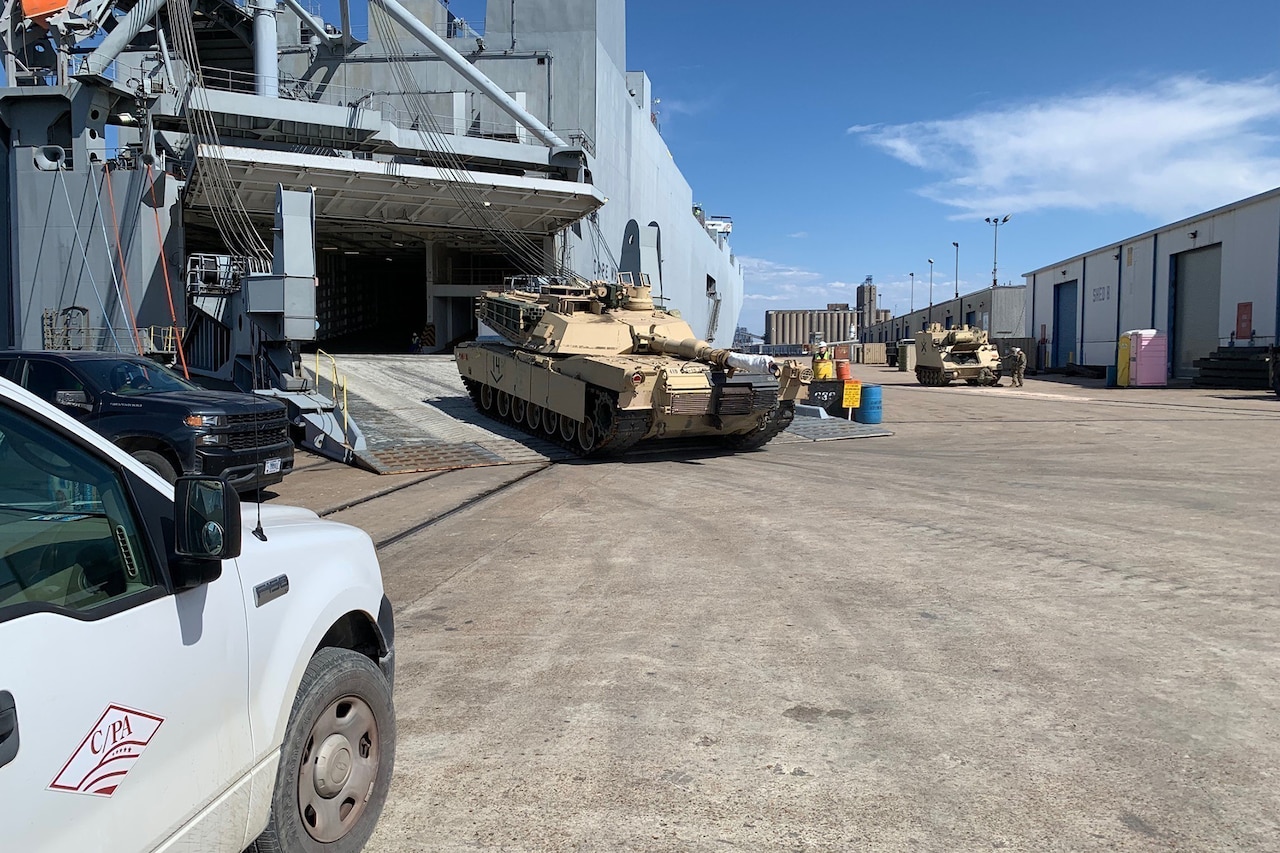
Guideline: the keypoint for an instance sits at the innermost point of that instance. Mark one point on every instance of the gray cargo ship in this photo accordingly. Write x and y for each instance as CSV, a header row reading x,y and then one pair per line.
x,y
168,163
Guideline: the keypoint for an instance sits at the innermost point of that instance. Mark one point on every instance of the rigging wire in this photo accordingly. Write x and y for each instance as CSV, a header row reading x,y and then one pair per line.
x,y
124,296
461,182
232,220
85,265
168,287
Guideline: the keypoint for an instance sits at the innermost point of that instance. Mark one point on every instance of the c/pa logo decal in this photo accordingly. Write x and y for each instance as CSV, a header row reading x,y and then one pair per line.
x,y
108,752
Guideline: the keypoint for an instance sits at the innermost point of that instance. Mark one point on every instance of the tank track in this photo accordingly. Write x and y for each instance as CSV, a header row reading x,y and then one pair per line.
x,y
932,377
779,419
624,429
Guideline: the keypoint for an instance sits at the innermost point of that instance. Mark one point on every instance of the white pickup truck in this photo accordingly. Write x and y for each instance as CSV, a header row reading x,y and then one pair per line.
x,y
166,684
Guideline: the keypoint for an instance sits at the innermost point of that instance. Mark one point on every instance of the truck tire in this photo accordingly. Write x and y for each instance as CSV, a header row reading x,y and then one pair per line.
x,y
339,745
156,463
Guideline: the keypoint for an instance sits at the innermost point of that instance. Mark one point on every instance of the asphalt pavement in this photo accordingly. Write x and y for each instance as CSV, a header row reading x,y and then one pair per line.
x,y
1033,619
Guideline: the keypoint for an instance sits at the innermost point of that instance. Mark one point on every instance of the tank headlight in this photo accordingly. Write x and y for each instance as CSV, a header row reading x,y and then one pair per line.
x,y
637,378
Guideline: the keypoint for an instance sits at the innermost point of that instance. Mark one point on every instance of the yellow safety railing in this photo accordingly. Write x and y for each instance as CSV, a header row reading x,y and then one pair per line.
x,y
162,339
337,382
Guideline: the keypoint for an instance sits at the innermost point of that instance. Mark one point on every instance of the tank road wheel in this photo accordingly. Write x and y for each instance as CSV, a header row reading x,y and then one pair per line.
x,y
518,409
533,416
486,398
335,764
587,436
568,429
550,422
503,404
932,377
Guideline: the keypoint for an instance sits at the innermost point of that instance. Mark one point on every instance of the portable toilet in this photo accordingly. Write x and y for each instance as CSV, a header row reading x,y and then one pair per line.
x,y
907,355
1122,361
1148,358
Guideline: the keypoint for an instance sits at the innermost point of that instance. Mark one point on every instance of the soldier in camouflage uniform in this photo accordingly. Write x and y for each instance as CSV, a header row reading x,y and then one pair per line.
x,y
1019,366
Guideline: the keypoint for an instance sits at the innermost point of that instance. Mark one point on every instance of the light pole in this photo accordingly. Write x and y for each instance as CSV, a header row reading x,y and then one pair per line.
x,y
913,292
931,290
957,245
996,222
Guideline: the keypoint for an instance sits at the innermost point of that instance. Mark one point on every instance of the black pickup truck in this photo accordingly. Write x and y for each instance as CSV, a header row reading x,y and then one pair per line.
x,y
167,423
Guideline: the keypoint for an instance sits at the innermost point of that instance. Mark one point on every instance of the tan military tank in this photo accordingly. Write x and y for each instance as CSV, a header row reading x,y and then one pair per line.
x,y
598,367
944,355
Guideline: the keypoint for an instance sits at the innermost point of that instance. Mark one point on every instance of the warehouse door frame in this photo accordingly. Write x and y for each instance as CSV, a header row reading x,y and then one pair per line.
x,y
1195,298
1066,314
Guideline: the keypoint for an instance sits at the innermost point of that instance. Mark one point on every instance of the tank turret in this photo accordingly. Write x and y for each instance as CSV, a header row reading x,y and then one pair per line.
x,y
599,366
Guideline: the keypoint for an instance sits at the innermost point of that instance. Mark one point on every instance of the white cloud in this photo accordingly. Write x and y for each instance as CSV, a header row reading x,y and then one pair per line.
x,y
797,287
775,286
798,235
1176,147
770,273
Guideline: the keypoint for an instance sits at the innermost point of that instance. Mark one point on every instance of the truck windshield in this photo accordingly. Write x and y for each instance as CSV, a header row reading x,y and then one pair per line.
x,y
134,376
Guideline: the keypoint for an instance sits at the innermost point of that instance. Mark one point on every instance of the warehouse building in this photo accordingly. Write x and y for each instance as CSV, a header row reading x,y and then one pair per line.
x,y
1000,311
1209,281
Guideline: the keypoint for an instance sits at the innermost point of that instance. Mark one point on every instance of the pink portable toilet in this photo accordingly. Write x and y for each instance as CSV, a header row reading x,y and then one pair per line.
x,y
1148,358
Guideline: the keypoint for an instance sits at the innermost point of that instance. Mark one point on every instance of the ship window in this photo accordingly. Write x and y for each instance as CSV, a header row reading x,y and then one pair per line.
x,y
711,286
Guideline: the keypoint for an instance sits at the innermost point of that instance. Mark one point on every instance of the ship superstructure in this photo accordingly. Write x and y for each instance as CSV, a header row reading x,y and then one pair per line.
x,y
152,146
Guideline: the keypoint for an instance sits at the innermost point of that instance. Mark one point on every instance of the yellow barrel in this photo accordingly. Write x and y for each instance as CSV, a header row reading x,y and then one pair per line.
x,y
822,369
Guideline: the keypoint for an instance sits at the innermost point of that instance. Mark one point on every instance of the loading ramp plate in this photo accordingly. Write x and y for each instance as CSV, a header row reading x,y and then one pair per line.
x,y
833,429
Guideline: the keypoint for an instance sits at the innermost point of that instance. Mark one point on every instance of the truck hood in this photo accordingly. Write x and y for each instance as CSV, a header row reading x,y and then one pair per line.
x,y
275,514
232,403
301,543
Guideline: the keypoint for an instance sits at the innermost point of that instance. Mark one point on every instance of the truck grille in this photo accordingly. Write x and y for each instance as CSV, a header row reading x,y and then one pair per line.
x,y
261,418
250,430
266,436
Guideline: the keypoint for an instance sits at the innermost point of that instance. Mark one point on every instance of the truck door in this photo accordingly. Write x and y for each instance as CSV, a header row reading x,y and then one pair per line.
x,y
123,707
46,378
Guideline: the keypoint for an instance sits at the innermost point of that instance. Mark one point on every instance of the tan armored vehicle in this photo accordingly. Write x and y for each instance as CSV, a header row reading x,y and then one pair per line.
x,y
597,367
944,355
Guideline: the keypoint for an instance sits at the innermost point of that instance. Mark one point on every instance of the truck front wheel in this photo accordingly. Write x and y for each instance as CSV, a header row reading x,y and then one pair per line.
x,y
156,463
336,760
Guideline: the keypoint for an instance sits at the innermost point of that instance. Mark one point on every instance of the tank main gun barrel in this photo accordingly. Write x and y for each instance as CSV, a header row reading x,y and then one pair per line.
x,y
693,348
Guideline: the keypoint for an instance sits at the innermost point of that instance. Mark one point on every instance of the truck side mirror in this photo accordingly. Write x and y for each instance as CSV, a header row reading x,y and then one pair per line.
x,y
208,529
71,399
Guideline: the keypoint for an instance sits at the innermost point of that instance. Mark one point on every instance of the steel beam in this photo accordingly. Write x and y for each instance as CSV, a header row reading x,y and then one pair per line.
x,y
473,75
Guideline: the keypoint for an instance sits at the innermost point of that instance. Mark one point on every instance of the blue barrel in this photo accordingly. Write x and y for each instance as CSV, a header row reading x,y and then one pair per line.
x,y
868,411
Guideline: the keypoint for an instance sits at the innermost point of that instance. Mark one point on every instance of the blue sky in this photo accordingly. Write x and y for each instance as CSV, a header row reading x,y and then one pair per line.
x,y
849,139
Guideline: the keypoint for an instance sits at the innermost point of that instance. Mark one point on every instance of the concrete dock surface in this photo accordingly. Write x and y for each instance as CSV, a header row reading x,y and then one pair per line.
x,y
1037,619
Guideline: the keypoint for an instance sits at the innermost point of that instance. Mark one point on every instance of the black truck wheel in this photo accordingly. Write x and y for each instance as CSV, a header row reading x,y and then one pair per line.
x,y
336,761
156,463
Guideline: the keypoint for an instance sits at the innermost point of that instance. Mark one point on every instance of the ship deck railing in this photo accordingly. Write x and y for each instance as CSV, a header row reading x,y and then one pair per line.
x,y
392,106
